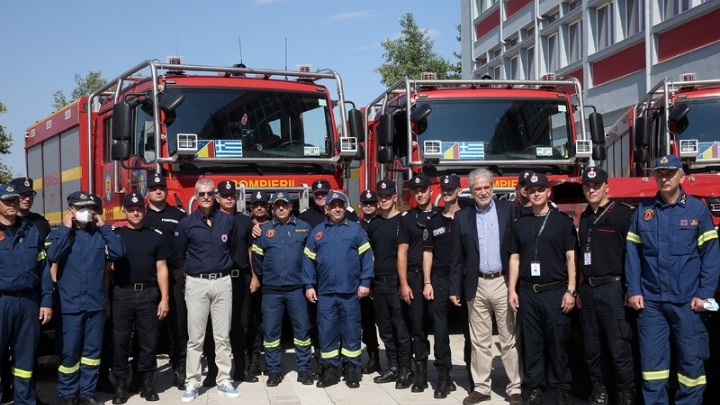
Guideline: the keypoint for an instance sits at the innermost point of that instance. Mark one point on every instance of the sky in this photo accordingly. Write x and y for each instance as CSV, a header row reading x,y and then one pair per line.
x,y
44,43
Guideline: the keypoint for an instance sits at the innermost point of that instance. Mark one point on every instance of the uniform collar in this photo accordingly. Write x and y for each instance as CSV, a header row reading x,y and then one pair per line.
x,y
292,221
343,222
681,200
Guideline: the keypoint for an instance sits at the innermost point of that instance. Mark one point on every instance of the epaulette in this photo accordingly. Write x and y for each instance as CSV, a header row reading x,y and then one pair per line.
x,y
157,230
402,214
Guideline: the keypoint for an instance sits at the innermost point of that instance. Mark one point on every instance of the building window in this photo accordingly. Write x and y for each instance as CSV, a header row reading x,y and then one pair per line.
x,y
495,52
634,17
514,68
495,72
575,41
553,56
675,7
604,25
572,5
530,63
528,32
511,41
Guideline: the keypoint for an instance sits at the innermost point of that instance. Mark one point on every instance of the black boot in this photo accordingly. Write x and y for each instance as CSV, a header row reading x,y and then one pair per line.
x,y
329,377
445,384
254,366
103,383
391,374
64,401
353,375
121,392
239,373
147,388
373,363
179,376
420,382
561,397
626,397
210,379
405,374
534,396
599,395
88,401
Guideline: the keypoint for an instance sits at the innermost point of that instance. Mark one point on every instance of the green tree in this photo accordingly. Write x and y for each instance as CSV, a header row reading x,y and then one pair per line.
x,y
411,54
83,86
5,143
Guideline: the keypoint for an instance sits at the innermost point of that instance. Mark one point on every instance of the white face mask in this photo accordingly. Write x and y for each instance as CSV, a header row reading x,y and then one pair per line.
x,y
84,215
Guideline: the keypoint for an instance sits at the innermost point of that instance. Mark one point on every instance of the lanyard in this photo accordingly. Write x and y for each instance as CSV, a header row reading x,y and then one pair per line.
x,y
592,226
537,237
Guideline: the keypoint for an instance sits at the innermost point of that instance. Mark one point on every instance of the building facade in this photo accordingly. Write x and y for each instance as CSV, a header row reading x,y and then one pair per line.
x,y
618,49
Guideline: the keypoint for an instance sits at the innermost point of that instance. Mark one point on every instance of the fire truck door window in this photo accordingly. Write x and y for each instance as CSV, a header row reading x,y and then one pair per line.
x,y
145,136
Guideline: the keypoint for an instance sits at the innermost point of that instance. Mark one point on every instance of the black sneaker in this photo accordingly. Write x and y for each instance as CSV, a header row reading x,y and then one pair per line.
x,y
274,379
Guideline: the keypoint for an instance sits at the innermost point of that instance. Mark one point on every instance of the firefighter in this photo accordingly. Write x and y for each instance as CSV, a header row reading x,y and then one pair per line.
x,y
391,322
541,290
672,266
338,260
369,207
24,187
80,246
140,299
413,225
260,213
25,292
606,330
165,218
438,247
277,257
315,215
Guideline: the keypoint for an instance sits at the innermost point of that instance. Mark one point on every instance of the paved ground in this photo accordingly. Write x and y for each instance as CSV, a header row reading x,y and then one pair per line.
x,y
291,392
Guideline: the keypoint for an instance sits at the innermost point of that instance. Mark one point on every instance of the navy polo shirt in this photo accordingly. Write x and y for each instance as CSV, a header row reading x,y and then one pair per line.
x,y
207,249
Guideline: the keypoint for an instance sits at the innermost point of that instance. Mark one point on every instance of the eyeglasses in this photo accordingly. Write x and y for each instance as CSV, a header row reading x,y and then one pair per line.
x,y
30,194
202,194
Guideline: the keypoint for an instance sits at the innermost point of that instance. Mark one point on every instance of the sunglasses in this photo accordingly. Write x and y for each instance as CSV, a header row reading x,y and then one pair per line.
x,y
30,194
202,194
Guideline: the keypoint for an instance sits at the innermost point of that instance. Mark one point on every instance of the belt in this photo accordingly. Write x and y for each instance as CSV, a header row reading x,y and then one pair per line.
x,y
238,272
538,288
137,286
17,293
210,276
490,276
390,278
596,281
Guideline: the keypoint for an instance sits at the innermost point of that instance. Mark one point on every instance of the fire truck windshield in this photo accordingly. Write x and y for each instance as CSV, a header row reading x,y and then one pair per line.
x,y
701,124
253,123
499,129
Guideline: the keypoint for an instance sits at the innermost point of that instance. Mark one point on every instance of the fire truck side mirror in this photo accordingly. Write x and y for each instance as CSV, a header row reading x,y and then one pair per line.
x,y
122,122
678,116
120,151
386,130
355,122
640,155
642,134
360,155
597,128
599,152
385,155
170,100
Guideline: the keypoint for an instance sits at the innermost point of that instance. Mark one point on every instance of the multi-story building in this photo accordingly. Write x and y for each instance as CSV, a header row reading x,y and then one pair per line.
x,y
618,49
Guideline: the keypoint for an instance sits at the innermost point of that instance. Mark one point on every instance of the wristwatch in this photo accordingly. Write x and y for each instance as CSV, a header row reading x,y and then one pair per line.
x,y
573,293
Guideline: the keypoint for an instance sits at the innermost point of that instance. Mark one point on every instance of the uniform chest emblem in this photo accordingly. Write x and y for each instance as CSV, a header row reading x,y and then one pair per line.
x,y
683,222
648,214
319,236
694,222
270,233
438,231
425,234
2,236
224,237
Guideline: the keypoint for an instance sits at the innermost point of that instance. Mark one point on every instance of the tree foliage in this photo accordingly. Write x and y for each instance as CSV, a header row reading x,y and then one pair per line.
x,y
5,143
83,87
411,54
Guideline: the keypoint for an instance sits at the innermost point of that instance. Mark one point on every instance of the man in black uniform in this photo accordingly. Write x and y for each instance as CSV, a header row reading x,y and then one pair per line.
x,y
391,321
413,226
542,279
165,218
260,213
140,299
521,192
606,332
369,206
438,251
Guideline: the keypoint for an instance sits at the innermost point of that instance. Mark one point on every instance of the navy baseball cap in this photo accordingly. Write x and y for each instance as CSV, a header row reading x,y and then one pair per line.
x,y
8,192
537,180
156,180
226,187
420,180
368,196
385,187
279,196
522,178
22,185
258,196
595,175
321,186
668,162
450,182
97,201
336,195
133,200
80,198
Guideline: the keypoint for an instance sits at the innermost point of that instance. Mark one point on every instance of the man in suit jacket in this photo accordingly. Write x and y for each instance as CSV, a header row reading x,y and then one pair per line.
x,y
479,270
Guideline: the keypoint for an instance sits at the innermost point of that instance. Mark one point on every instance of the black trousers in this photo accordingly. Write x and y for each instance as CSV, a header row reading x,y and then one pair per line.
x,y
391,322
134,310
417,314
367,321
607,335
438,309
176,321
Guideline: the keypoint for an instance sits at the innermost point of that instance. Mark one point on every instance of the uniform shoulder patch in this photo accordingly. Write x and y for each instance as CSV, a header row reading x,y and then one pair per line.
x,y
319,235
402,214
648,214
270,233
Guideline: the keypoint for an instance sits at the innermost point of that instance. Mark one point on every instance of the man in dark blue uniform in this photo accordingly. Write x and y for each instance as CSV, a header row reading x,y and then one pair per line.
x,y
165,218
672,266
140,299
24,187
607,334
80,246
410,273
391,321
277,257
339,262
541,290
25,292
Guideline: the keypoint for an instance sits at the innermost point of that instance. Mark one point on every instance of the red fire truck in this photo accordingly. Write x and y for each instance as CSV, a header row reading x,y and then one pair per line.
x,y
439,127
675,117
266,129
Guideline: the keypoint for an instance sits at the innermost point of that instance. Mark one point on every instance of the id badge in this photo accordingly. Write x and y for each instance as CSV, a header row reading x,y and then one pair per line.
x,y
588,258
535,269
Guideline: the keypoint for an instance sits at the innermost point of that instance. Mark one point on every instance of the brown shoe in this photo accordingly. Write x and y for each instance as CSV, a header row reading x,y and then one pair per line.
x,y
516,399
475,398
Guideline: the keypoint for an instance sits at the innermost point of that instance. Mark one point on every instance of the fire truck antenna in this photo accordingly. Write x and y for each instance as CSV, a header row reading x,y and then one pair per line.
x,y
240,47
285,53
